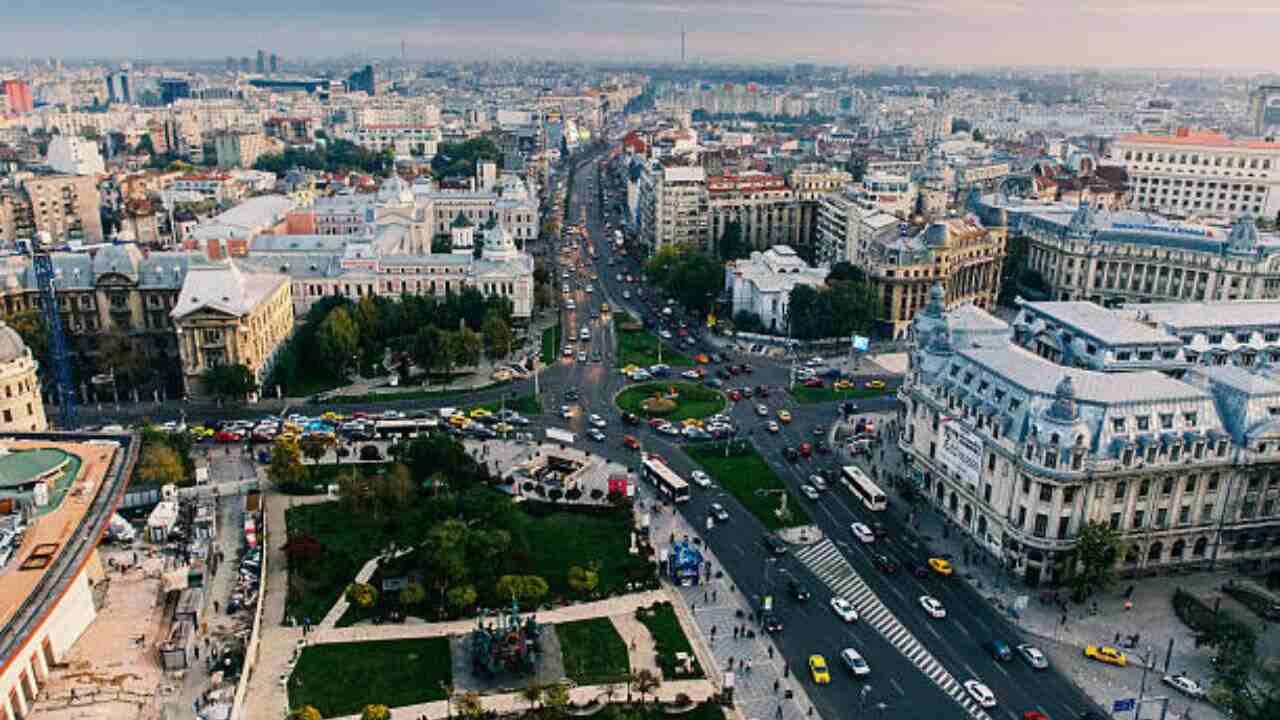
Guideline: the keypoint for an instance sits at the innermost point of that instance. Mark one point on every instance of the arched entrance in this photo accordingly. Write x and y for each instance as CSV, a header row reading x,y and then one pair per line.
x,y
1198,549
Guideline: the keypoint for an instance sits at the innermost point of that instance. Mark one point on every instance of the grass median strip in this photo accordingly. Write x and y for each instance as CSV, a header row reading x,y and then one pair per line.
x,y
637,346
807,395
746,475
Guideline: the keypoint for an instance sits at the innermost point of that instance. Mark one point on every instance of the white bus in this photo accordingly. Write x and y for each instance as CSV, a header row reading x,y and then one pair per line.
x,y
404,428
861,486
672,486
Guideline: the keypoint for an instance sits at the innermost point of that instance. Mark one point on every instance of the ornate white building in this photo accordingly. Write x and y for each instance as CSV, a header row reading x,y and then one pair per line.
x,y
1021,452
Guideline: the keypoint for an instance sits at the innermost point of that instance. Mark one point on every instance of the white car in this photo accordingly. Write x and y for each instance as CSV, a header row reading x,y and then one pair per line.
x,y
691,375
596,421
844,609
1033,656
718,512
863,533
762,410
640,375
1185,685
809,491
596,435
566,412
814,361
700,478
582,356
854,662
933,606
666,334
818,482
981,693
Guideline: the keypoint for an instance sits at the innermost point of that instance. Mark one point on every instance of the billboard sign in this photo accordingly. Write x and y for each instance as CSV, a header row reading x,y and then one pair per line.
x,y
961,451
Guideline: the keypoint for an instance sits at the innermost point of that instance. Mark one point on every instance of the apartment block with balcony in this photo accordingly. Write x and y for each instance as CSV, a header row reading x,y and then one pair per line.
x,y
674,207
65,206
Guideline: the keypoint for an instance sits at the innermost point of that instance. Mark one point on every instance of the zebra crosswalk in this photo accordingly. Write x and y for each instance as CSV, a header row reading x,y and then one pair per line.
x,y
826,562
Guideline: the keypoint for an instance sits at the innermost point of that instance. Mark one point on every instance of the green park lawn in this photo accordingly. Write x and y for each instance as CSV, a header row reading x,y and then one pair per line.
x,y
420,393
695,401
593,651
640,347
807,395
546,540
743,473
341,678
668,637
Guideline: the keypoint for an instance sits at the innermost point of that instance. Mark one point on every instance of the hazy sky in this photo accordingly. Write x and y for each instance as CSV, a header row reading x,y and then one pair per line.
x,y
1106,33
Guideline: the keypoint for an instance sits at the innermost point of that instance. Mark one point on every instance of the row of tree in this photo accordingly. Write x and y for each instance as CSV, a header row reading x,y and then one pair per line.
x,y
691,276
848,305
436,333
460,159
332,156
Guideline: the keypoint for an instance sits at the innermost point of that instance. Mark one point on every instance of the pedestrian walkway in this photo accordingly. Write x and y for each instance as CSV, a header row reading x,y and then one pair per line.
x,y
826,562
620,605
763,687
511,704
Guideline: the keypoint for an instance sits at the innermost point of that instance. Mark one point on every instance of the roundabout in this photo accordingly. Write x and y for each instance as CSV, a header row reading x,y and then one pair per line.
x,y
676,400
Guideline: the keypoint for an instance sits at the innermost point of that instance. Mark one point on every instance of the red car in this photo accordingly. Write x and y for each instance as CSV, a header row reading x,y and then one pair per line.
x,y
226,436
733,370
631,442
655,423
735,395
805,449
813,382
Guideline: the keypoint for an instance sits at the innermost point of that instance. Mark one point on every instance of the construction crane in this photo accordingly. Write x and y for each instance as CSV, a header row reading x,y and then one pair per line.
x,y
42,261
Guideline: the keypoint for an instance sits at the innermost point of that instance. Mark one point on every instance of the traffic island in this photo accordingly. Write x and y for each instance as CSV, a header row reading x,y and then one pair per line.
x,y
741,470
812,395
673,401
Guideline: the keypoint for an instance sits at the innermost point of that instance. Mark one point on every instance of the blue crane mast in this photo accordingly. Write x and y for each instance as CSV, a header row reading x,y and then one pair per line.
x,y
42,261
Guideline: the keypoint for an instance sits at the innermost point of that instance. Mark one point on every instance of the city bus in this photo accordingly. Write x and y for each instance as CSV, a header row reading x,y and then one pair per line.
x,y
861,486
404,428
672,486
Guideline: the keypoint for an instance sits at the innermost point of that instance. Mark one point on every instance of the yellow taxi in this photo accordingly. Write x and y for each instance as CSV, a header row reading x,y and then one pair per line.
x,y
842,385
480,412
784,416
818,669
692,422
630,369
459,421
874,384
940,566
1106,654
201,432
333,417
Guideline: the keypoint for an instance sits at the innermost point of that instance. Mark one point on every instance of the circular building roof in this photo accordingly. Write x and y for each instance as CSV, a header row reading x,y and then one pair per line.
x,y
11,345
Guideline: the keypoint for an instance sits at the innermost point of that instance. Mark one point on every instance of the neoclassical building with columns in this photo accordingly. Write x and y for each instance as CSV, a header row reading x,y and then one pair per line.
x,y
1022,452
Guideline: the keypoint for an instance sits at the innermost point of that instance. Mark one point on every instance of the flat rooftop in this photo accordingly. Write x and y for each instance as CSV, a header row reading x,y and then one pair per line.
x,y
58,541
1109,327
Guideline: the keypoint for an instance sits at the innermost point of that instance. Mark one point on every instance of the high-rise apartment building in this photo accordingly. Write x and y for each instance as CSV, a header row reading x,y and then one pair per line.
x,y
674,206
17,97
262,62
275,63
363,80
65,206
74,155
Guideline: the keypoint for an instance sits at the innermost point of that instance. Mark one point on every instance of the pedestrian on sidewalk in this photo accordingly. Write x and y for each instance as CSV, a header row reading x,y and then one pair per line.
x,y
705,596
713,631
713,596
748,667
779,711
770,652
735,632
215,606
775,686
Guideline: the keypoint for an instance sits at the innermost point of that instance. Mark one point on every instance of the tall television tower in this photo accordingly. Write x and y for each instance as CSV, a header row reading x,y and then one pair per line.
x,y
682,57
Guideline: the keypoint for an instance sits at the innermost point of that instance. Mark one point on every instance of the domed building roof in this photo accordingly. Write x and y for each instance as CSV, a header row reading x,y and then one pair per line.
x,y
11,345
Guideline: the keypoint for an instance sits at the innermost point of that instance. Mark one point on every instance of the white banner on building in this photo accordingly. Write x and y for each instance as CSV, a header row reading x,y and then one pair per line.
x,y
961,452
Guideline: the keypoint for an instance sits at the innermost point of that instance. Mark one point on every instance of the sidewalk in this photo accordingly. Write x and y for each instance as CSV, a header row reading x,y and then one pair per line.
x,y
716,605
1064,629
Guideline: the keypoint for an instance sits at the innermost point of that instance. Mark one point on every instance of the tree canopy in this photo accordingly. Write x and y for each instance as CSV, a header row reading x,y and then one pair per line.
x,y
229,381
693,277
460,158
332,156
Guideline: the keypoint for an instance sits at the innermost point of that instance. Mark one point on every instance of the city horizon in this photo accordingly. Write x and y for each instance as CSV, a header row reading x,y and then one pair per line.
x,y
829,32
